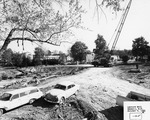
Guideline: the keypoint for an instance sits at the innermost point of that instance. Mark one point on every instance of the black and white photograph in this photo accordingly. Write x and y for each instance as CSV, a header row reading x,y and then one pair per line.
x,y
74,59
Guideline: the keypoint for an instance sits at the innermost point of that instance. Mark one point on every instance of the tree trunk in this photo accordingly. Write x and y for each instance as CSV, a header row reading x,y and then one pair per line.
x,y
4,47
7,41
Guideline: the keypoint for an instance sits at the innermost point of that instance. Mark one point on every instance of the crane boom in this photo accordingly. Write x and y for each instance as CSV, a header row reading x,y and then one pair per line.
x,y
121,25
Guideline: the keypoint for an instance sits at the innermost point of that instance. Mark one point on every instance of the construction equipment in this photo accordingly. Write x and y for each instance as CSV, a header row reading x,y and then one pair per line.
x,y
121,23
107,62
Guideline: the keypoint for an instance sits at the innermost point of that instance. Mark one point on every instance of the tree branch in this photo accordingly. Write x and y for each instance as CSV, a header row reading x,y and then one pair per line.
x,y
33,40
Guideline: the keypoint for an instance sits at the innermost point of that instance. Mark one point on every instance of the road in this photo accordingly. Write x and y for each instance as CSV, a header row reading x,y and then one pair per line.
x,y
98,88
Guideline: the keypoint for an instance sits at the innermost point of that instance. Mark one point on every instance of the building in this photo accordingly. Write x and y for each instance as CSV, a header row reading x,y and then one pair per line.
x,y
90,57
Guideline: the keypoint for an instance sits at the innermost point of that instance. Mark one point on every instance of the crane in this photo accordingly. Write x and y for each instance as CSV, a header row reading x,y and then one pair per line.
x,y
104,61
121,23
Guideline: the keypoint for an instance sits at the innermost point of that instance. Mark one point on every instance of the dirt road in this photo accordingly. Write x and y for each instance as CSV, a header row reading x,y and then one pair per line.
x,y
98,87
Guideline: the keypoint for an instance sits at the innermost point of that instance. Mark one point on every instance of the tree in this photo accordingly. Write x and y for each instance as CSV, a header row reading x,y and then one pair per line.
x,y
26,61
114,4
17,59
38,56
122,53
7,57
78,51
125,58
62,58
140,47
100,46
37,21
47,53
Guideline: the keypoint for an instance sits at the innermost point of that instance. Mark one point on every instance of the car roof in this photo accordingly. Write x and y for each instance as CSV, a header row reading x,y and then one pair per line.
x,y
65,83
17,91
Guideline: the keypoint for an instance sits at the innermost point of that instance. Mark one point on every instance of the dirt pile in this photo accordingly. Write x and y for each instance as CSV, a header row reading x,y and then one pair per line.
x,y
96,98
73,109
140,78
35,75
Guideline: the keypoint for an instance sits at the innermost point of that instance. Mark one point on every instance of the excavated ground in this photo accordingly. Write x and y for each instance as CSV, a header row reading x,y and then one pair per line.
x,y
95,100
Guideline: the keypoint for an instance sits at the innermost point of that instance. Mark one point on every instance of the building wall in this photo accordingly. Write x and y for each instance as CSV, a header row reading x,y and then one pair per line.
x,y
90,57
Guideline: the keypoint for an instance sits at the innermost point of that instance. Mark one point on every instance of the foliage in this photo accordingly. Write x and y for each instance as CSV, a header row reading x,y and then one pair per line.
x,y
7,57
88,52
100,46
122,53
47,53
51,62
17,59
26,61
62,58
125,58
4,76
38,21
140,47
38,56
78,51
114,4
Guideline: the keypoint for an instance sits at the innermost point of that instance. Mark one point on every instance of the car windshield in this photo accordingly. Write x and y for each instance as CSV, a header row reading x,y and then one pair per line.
x,y
5,97
58,86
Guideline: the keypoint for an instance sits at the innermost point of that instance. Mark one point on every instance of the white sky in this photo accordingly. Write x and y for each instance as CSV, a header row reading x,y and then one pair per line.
x,y
137,24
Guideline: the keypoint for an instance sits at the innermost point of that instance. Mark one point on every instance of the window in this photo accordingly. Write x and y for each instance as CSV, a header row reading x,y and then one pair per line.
x,y
58,86
33,91
70,86
15,96
23,94
5,97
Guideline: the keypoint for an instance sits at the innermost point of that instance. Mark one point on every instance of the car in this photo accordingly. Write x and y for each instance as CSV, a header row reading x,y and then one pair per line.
x,y
15,98
61,91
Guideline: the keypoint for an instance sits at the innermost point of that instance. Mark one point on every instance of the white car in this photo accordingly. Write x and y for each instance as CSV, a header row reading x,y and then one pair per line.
x,y
61,91
13,99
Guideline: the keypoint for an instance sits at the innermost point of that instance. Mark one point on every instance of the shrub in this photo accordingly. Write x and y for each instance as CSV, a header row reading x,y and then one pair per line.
x,y
125,58
51,62
4,76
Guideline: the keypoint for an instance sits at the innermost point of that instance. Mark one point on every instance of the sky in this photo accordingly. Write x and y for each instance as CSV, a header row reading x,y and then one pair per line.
x,y
137,24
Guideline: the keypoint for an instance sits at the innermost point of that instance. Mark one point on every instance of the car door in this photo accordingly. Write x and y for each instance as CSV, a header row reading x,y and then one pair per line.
x,y
70,90
14,101
34,94
24,97
73,89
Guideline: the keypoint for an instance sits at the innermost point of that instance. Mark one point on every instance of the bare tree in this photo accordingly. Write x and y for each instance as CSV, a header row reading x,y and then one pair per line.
x,y
37,21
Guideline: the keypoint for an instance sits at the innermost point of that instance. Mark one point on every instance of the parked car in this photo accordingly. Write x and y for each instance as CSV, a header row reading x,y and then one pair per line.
x,y
61,91
12,99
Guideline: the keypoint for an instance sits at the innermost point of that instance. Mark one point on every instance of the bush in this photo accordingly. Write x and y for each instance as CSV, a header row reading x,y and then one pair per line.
x,y
104,61
51,62
125,58
4,76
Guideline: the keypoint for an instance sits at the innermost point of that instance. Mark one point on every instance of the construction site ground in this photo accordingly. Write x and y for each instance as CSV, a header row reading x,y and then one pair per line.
x,y
99,88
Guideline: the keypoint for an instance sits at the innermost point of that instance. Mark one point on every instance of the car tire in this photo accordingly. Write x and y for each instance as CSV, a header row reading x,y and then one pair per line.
x,y
31,101
62,100
1,112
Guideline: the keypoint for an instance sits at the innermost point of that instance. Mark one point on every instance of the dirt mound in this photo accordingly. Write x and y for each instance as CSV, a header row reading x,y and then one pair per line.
x,y
140,78
37,76
73,109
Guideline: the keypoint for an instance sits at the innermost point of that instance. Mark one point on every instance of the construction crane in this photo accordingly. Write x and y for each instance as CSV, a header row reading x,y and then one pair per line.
x,y
121,23
104,61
